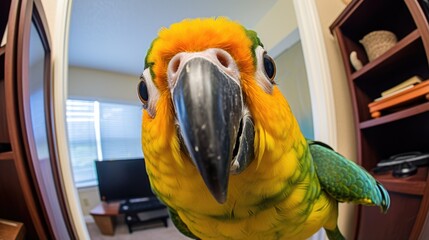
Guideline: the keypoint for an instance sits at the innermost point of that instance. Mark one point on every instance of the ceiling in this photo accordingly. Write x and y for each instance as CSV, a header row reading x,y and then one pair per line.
x,y
114,35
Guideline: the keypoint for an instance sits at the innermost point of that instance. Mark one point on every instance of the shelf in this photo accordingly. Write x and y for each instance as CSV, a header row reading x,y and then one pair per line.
x,y
392,54
6,155
11,229
402,125
408,96
409,112
362,17
414,185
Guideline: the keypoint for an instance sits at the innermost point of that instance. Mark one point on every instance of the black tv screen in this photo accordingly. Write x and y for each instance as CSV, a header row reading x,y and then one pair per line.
x,y
122,179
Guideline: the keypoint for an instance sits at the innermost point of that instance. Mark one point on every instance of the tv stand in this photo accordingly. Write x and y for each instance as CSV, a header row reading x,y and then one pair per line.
x,y
133,220
151,210
106,213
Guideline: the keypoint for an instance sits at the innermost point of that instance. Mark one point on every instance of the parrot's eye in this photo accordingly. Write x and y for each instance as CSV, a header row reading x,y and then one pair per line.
x,y
142,92
270,67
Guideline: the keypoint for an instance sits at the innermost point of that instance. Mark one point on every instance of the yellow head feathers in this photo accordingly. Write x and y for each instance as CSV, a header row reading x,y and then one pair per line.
x,y
193,35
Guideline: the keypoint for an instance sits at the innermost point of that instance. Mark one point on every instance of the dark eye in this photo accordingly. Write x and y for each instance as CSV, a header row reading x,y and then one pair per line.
x,y
270,67
142,92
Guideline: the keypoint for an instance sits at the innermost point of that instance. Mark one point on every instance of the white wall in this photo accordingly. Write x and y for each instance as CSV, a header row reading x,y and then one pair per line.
x,y
282,18
85,83
89,198
292,81
329,10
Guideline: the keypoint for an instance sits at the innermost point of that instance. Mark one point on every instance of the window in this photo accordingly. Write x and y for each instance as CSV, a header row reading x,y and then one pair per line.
x,y
101,131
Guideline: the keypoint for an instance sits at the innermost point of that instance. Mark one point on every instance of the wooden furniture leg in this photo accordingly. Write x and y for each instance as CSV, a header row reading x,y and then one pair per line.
x,y
106,224
105,215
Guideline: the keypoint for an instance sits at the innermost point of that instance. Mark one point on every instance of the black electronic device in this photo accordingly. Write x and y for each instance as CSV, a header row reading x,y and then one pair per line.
x,y
404,169
416,158
403,164
148,204
123,179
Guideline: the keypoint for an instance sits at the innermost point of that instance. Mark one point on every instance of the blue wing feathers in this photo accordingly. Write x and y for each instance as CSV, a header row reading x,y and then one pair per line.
x,y
385,199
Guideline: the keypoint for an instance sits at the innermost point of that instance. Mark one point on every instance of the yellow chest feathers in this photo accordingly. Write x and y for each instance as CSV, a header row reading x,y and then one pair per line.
x,y
278,195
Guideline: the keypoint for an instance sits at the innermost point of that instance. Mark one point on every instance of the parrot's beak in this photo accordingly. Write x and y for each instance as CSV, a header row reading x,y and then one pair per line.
x,y
209,108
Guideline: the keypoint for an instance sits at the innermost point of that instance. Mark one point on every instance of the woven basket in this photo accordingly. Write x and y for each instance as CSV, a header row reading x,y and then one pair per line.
x,y
378,42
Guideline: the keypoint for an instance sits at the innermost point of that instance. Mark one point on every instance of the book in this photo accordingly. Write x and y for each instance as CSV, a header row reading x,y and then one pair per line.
x,y
409,82
393,93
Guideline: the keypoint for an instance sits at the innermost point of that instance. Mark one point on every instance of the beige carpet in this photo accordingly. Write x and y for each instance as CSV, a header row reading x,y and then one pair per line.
x,y
153,233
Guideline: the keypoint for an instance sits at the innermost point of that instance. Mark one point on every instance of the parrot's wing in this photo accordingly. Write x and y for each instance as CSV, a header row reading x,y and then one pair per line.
x,y
180,225
345,180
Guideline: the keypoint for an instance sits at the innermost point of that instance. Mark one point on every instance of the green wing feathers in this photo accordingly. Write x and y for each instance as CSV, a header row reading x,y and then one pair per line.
x,y
345,180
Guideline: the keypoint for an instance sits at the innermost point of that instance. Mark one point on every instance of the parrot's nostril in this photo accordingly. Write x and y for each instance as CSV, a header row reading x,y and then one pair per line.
x,y
222,59
175,65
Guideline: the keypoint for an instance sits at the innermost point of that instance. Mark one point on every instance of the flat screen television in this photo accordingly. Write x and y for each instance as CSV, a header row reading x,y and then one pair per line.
x,y
123,179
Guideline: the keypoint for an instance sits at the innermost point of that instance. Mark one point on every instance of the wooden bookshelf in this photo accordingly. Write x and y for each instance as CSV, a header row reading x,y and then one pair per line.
x,y
399,127
6,155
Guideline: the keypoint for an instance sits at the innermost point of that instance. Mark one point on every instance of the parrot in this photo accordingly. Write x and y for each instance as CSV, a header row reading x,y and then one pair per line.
x,y
222,148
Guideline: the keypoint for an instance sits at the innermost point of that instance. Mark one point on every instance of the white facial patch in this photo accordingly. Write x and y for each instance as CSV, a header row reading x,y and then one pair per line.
x,y
260,75
152,92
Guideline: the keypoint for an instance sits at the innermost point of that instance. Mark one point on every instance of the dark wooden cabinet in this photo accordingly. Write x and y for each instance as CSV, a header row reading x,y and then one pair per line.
x,y
30,183
399,129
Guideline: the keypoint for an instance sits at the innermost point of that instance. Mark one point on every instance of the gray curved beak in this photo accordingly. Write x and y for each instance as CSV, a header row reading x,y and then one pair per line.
x,y
209,107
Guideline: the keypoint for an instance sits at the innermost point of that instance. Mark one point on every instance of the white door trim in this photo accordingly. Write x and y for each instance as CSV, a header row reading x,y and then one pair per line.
x,y
60,73
319,77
